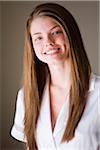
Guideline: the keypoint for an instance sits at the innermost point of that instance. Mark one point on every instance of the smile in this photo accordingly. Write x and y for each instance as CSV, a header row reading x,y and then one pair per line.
x,y
52,51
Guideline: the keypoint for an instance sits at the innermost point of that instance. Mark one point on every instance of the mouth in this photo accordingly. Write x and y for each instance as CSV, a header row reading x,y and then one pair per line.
x,y
51,51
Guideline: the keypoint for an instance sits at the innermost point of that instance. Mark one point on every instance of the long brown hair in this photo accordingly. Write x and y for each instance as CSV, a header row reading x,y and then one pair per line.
x,y
35,73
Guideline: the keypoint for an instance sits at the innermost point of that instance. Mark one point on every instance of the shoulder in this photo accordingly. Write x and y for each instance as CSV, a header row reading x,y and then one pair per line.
x,y
94,82
97,79
20,103
20,93
94,91
97,87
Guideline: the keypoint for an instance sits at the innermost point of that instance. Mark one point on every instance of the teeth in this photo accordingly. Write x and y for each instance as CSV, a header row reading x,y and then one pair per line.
x,y
52,51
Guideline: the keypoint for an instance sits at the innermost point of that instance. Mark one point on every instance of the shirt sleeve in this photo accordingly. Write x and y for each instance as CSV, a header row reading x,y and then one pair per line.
x,y
17,130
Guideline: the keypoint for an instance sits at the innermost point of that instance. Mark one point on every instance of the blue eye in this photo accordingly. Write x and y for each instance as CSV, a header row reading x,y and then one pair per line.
x,y
38,39
57,32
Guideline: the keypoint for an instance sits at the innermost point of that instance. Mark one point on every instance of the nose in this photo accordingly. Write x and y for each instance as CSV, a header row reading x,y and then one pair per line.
x,y
49,41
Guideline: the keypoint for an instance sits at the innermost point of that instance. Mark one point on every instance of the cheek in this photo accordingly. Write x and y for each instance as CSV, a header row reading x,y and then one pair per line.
x,y
37,48
38,51
62,39
64,42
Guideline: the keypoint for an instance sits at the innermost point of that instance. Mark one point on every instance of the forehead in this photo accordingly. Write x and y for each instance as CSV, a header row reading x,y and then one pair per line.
x,y
42,24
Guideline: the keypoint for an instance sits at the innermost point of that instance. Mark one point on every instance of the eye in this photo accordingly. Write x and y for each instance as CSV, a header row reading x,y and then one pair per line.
x,y
38,39
57,32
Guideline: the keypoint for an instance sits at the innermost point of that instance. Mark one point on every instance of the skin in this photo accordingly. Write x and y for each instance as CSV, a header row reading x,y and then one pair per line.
x,y
52,47
49,42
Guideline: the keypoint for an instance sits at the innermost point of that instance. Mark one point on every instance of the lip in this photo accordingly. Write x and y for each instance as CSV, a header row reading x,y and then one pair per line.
x,y
51,51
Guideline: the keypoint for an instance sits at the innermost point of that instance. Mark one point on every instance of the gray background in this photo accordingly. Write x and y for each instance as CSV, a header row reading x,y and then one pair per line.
x,y
12,22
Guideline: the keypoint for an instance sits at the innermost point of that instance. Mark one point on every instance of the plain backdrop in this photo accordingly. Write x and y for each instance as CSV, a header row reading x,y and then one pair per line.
x,y
12,22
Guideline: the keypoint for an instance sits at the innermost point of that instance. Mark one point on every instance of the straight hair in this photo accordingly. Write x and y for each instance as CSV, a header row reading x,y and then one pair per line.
x,y
36,72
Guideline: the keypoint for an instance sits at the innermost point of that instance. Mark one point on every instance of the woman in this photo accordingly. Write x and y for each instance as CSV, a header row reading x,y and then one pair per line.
x,y
57,108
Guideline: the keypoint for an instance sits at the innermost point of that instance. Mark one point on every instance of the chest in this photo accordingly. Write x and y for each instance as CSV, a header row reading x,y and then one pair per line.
x,y
87,134
57,99
85,137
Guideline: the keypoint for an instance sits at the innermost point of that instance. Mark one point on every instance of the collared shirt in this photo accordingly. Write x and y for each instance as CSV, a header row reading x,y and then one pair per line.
x,y
87,133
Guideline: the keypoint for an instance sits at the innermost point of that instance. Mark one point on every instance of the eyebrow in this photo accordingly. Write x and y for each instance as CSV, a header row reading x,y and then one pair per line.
x,y
50,30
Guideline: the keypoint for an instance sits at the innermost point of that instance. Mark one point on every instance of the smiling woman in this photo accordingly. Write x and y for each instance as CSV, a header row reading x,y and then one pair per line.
x,y
57,108
49,42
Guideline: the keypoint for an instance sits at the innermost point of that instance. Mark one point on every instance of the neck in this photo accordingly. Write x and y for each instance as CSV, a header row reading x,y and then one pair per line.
x,y
60,75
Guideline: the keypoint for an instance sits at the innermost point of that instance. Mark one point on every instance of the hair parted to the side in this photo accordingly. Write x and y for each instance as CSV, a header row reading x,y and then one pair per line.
x,y
35,73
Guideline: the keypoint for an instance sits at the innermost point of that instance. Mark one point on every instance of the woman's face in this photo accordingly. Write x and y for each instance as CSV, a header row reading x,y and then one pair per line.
x,y
50,44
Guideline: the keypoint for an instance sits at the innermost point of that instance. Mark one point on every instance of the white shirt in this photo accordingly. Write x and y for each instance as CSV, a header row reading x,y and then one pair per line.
x,y
87,134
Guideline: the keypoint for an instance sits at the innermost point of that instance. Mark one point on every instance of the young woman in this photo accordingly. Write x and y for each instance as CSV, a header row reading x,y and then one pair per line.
x,y
58,106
